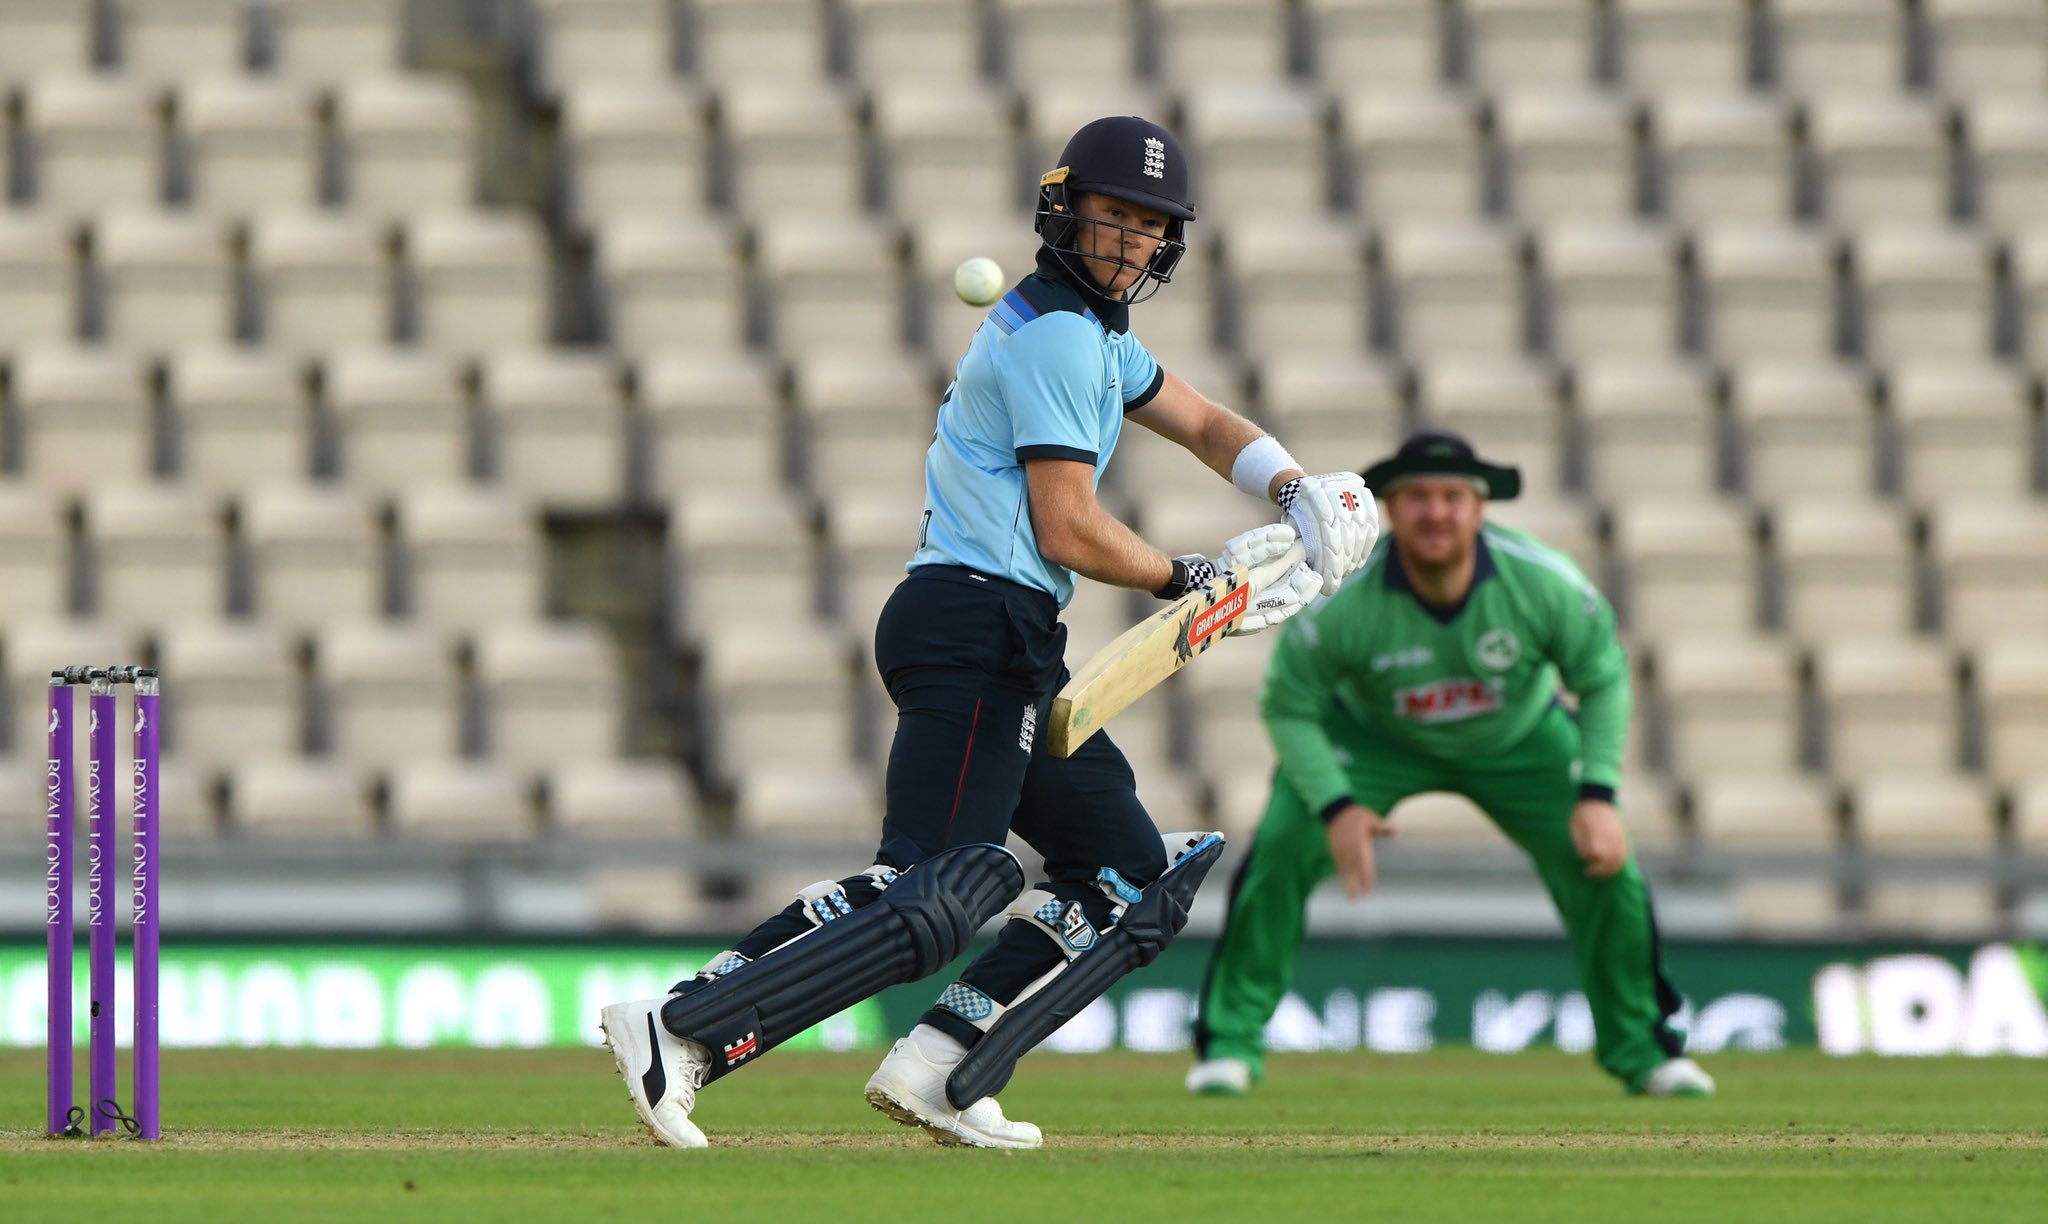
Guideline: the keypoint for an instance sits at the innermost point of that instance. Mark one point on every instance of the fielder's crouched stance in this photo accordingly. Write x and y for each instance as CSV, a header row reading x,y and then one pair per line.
x,y
970,649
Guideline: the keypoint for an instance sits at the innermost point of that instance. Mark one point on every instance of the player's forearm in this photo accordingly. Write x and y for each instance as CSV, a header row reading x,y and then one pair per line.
x,y
1603,730
1092,543
1225,439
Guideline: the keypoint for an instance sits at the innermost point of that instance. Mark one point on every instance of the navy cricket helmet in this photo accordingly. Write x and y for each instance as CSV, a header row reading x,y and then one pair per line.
x,y
1131,159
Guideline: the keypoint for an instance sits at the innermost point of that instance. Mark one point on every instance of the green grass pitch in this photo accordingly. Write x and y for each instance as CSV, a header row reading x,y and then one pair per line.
x,y
1452,1135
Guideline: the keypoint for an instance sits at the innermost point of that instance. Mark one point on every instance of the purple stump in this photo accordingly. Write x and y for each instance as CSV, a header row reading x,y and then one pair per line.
x,y
146,915
100,823
57,898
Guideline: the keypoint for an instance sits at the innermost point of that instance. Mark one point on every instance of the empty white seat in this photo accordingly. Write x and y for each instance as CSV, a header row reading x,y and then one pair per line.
x,y
407,143
1964,429
322,282
775,578
1807,429
483,280
796,148
1649,427
632,147
948,144
1397,43
1456,289
1611,290
1299,285
2030,813
96,143
807,802
46,36
1077,41
868,416
314,555
33,647
188,802
392,693
1146,462
1197,42
237,694
1775,907
939,244
1055,110
580,41
1881,158
35,553
1514,43
1925,293
1992,560
1688,566
2007,142
1259,147
159,553
251,145
1723,157
1760,809
552,692
401,418
169,40
1567,525
933,40
1182,522
558,425
1950,910
2010,674
84,417
1988,47
1649,807
622,799
1568,154
461,801
832,281
326,42
2030,285
474,556
1229,738
671,280
167,280
242,418
1513,404
299,797
1412,155
39,281
872,534
1731,702
1331,410
1667,45
1904,809
1766,292
755,40
1845,567
1887,704
775,697
713,420
1839,45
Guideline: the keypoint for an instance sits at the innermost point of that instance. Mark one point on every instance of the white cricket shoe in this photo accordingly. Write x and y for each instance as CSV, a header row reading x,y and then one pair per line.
x,y
661,1070
1680,1077
1219,1077
910,1086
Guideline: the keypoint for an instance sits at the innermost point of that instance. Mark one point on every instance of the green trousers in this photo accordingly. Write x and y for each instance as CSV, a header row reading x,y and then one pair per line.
x,y
1529,793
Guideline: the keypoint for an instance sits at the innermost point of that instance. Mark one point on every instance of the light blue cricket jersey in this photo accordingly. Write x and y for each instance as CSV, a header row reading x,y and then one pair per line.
x,y
1045,377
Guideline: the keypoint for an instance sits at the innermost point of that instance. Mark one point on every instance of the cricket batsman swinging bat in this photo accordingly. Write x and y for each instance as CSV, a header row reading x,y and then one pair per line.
x,y
1153,649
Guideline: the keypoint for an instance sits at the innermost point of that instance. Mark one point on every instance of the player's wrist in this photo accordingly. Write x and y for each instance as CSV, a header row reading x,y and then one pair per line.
x,y
1189,572
1597,791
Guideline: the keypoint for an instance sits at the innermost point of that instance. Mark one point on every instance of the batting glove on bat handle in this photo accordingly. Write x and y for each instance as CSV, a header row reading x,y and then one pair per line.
x,y
1245,550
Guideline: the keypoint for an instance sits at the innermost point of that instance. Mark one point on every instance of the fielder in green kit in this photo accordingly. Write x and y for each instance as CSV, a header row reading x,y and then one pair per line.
x,y
1437,668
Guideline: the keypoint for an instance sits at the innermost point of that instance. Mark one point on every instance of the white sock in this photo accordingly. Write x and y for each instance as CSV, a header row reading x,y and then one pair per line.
x,y
937,1045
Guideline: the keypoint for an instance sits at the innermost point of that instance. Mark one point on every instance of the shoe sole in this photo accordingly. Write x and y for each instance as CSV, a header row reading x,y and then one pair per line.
x,y
625,1056
905,1115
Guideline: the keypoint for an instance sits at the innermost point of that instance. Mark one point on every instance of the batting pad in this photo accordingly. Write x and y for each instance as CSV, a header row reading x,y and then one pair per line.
x,y
1145,927
918,925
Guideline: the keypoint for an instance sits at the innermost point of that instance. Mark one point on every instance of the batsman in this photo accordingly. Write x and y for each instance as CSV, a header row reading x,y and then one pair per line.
x,y
1437,667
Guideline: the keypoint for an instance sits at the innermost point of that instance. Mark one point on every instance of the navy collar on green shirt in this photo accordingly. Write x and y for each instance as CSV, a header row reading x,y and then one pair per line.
x,y
1053,287
1482,569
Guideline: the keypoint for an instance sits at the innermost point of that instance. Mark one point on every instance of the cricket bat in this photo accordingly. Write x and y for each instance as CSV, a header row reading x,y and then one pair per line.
x,y
1153,649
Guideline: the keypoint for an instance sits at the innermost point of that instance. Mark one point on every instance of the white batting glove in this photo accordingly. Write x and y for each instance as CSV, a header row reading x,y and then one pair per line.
x,y
1249,549
1338,520
1296,588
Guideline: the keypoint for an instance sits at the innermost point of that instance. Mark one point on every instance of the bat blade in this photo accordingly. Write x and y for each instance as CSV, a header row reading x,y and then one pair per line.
x,y
1153,649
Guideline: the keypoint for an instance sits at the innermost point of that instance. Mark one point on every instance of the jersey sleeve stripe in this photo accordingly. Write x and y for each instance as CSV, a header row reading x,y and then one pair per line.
x,y
1146,396
1047,451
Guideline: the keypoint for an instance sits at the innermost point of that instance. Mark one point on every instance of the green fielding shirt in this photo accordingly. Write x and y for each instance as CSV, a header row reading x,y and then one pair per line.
x,y
1464,686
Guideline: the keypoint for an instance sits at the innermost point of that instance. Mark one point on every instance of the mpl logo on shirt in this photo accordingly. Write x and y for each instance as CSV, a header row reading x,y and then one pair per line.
x,y
1450,700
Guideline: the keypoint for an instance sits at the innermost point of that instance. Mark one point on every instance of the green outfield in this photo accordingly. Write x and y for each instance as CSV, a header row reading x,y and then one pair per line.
x,y
442,1136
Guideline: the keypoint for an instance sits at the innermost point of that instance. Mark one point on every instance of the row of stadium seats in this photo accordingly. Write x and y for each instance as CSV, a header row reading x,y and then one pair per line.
x,y
390,146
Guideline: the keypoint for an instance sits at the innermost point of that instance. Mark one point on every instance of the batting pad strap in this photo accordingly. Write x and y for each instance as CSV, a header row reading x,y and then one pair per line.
x,y
971,1005
911,931
824,901
1057,997
1063,921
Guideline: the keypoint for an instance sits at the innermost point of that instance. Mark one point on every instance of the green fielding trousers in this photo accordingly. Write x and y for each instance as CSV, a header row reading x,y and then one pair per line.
x,y
1528,792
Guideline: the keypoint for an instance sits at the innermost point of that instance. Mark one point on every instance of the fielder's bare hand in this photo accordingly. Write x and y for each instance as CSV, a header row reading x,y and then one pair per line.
x,y
1600,839
1351,833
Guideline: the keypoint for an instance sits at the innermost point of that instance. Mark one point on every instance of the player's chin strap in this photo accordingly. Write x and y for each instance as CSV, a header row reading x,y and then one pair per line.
x,y
1141,923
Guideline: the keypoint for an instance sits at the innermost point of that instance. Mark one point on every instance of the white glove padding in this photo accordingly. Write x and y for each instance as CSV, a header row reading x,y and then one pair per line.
x,y
1338,520
1296,588
1249,549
